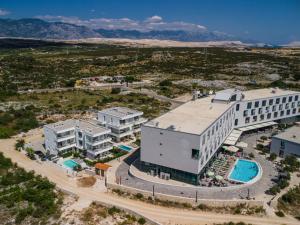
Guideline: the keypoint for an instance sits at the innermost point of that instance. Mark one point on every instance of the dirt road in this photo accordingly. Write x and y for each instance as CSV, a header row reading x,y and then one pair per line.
x,y
162,215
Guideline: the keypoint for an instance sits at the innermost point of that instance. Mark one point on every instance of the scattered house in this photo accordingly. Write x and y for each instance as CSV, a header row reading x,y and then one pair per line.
x,y
123,122
181,143
287,142
69,135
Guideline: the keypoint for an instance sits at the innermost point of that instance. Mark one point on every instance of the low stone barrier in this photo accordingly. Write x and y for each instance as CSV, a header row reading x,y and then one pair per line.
x,y
192,201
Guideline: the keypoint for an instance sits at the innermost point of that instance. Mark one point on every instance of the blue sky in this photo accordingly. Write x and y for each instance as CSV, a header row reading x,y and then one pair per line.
x,y
271,21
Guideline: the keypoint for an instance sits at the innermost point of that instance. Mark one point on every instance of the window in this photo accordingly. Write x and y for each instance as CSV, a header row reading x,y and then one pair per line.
x,y
262,117
281,113
195,154
236,122
288,112
277,100
271,102
282,144
269,116
284,100
290,98
280,107
286,105
294,111
260,111
275,114
256,104
253,112
237,107
249,105
296,98
203,139
274,108
264,102
254,118
247,120
246,113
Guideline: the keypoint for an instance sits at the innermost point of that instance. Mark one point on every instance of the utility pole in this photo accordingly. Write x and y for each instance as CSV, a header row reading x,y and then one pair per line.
x,y
153,190
196,196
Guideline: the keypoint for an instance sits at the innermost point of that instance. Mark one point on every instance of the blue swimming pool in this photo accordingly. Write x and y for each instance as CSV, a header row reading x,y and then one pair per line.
x,y
125,148
244,171
70,163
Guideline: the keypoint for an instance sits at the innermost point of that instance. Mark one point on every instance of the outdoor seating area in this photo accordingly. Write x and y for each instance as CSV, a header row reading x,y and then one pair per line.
x,y
217,172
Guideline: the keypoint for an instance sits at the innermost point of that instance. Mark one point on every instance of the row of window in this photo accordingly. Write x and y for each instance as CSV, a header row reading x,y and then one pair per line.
x,y
271,101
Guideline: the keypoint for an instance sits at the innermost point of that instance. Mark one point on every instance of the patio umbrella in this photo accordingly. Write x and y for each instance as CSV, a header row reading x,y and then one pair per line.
x,y
210,173
218,177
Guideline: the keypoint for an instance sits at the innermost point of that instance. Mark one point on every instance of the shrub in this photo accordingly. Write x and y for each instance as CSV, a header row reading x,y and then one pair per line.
x,y
19,144
113,210
279,213
273,156
141,221
165,83
251,155
259,147
139,196
264,138
115,90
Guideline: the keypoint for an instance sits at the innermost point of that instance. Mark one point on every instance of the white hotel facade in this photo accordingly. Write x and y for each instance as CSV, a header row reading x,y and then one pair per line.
x,y
180,143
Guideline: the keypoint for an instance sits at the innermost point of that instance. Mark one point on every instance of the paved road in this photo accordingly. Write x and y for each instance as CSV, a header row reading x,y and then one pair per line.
x,y
257,189
160,214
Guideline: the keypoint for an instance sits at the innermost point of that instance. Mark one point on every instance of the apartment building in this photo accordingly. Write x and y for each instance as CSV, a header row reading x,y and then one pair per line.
x,y
123,122
180,143
68,135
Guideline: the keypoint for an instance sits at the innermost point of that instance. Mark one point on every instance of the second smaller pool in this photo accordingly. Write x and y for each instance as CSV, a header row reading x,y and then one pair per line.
x,y
125,148
70,164
244,171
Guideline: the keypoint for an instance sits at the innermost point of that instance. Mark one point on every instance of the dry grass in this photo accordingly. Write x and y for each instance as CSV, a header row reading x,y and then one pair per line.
x,y
86,181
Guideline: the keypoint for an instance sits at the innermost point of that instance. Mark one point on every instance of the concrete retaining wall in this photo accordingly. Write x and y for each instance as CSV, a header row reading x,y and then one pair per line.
x,y
192,201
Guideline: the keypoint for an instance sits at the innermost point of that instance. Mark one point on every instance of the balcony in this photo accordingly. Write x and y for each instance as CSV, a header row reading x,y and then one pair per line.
x,y
64,138
97,151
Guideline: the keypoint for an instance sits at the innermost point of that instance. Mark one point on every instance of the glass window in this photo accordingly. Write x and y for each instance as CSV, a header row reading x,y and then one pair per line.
x,y
269,116
284,100
262,117
275,114
236,122
264,102
296,98
249,105
290,98
271,102
277,100
256,104
195,154
247,120
237,107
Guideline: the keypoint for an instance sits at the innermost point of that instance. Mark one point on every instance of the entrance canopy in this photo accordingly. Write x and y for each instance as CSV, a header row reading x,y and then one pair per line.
x,y
257,126
233,137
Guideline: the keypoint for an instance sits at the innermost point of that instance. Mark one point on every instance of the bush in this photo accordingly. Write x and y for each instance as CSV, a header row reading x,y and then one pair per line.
x,y
113,210
19,144
165,83
279,213
273,156
141,221
139,196
259,147
115,90
251,155
264,138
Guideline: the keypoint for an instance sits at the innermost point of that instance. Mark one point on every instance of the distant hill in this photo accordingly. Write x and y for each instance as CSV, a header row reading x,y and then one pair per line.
x,y
40,29
36,28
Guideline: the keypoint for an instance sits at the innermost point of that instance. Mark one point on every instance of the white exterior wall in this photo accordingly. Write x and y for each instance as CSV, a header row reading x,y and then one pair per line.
x,y
243,106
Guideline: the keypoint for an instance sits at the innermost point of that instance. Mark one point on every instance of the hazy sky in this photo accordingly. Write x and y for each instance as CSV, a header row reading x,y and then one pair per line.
x,y
271,21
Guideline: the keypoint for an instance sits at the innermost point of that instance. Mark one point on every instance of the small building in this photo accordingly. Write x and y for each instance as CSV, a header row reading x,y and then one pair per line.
x,y
101,169
287,142
123,122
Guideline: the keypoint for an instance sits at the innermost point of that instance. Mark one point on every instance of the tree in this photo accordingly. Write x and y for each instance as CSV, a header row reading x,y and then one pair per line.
x,y
30,153
19,144
115,90
273,156
165,83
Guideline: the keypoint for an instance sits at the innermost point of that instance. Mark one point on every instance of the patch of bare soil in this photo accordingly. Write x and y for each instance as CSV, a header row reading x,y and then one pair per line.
x,y
86,181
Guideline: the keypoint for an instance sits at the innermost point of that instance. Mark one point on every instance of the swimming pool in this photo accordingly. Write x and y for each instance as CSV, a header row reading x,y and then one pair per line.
x,y
70,164
244,171
125,148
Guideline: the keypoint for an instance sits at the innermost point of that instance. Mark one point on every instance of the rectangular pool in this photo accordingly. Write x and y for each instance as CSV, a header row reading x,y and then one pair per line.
x,y
125,148
244,171
70,164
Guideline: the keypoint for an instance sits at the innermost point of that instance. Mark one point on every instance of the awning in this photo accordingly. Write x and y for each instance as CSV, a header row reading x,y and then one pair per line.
x,y
257,126
233,137
102,166
232,149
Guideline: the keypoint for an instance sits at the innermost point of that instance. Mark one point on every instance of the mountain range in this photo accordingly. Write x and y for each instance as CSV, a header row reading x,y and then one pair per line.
x,y
40,29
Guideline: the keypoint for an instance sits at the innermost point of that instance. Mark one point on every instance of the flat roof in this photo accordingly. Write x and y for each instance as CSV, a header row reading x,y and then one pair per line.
x,y
266,93
62,125
192,117
90,127
291,134
120,111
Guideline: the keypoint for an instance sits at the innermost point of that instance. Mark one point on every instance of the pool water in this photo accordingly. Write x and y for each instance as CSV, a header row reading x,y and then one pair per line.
x,y
244,171
70,163
125,148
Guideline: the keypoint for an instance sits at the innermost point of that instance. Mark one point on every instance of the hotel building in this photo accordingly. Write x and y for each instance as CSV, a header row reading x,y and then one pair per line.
x,y
180,143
